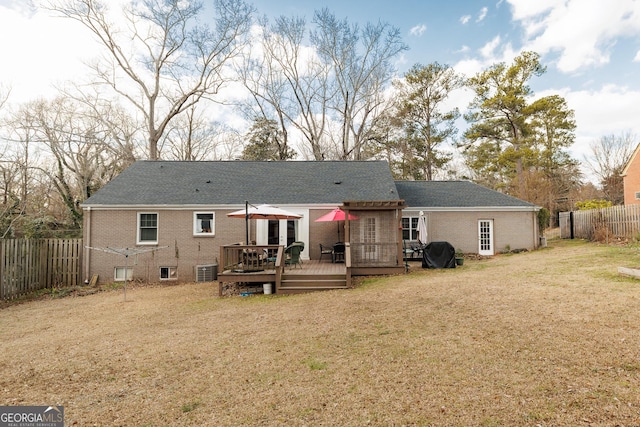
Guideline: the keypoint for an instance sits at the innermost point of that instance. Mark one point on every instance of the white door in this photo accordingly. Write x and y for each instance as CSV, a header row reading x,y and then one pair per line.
x,y
369,236
284,232
485,237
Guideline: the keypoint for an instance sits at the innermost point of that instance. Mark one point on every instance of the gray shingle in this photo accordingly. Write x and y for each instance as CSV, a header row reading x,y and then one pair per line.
x,y
233,182
454,194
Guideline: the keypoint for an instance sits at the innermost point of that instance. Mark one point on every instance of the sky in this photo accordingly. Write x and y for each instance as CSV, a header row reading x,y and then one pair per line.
x,y
591,48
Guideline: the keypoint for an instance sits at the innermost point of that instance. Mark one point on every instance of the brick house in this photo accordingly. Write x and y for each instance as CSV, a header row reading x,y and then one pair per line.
x,y
631,179
180,209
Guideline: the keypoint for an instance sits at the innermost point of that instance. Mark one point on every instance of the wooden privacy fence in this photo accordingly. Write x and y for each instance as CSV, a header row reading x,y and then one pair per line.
x,y
601,224
27,265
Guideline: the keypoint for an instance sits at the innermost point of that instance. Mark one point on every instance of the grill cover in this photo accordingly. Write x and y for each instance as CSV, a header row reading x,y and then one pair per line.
x,y
439,255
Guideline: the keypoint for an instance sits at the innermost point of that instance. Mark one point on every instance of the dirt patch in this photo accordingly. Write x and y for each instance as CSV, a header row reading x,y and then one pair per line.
x,y
549,337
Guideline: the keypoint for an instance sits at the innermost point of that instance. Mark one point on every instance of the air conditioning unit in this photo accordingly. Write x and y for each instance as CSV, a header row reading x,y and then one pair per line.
x,y
206,273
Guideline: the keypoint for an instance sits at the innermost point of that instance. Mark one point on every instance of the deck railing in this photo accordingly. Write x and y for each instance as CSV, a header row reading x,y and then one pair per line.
x,y
374,254
247,258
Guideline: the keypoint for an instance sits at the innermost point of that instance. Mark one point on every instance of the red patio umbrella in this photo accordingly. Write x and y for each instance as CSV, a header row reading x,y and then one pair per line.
x,y
336,215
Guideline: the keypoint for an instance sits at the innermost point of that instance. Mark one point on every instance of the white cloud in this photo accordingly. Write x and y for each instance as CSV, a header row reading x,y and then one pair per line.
x,y
48,51
482,14
583,32
637,57
491,53
525,9
465,19
610,110
489,49
418,30
495,51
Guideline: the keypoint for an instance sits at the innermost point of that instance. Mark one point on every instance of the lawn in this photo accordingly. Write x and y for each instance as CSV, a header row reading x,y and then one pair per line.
x,y
549,338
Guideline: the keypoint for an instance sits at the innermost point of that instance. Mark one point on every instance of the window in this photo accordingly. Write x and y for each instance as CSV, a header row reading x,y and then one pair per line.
x,y
485,235
369,237
203,223
168,273
118,273
147,228
410,228
638,195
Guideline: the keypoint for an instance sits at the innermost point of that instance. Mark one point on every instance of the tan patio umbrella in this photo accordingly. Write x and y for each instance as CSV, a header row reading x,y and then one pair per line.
x,y
261,212
336,215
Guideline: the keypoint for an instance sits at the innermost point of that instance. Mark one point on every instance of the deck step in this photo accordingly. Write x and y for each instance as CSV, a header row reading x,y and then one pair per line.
x,y
298,283
304,289
307,277
316,286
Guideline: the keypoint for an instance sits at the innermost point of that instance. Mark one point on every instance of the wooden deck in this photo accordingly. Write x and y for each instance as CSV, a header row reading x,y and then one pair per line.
x,y
312,275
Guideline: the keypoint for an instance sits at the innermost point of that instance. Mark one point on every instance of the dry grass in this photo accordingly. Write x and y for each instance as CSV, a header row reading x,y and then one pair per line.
x,y
548,338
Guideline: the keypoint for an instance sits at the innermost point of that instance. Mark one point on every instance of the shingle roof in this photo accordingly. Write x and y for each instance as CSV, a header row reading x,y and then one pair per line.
x,y
454,194
233,182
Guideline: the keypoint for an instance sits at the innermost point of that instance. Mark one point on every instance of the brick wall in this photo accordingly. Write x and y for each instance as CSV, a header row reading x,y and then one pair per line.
x,y
516,230
632,182
180,249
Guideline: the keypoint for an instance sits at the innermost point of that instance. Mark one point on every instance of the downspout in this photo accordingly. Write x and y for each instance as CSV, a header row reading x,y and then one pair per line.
x,y
87,244
537,237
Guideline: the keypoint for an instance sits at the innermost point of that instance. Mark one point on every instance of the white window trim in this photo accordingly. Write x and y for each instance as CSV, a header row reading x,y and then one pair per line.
x,y
485,237
118,278
196,228
173,276
412,230
148,242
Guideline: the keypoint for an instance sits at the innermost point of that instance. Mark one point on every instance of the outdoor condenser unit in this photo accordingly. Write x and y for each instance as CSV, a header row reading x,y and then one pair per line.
x,y
206,273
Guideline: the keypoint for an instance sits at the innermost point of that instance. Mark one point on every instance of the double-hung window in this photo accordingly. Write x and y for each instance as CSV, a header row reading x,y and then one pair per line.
x,y
410,228
147,228
203,223
168,273
120,274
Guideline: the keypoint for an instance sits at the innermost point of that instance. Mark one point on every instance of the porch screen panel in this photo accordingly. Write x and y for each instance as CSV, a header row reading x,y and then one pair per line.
x,y
374,239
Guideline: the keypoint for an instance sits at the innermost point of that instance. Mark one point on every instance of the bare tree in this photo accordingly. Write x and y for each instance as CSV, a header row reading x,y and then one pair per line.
x,y
299,89
266,86
119,131
191,137
5,92
86,144
17,175
361,64
162,61
609,155
327,84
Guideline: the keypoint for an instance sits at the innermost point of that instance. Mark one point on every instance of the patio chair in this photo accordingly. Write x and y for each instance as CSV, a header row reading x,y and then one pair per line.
x,y
292,253
338,252
326,250
417,249
301,244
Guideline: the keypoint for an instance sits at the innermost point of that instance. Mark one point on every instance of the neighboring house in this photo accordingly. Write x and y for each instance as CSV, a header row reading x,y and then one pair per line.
x,y
631,179
473,218
180,208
